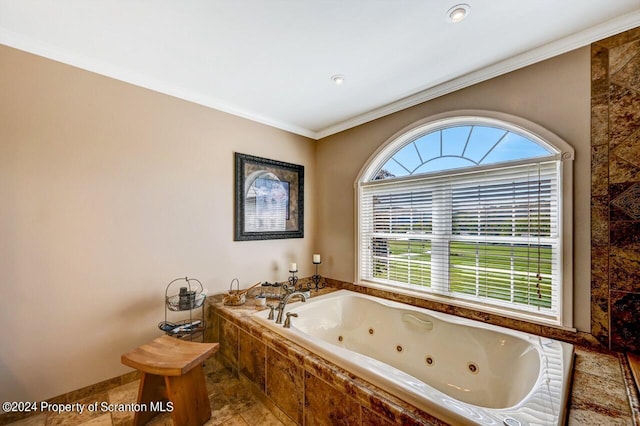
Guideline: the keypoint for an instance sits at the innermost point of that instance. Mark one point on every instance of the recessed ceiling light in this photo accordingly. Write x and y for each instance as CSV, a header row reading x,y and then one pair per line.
x,y
337,79
458,12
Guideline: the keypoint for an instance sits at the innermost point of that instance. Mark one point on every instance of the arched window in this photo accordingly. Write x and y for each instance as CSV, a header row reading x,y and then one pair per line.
x,y
470,210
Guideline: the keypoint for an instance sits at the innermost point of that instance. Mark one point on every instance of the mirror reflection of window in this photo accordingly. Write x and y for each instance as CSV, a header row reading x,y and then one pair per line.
x,y
266,203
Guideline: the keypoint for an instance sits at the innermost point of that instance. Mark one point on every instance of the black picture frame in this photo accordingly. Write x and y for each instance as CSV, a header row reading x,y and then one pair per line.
x,y
269,199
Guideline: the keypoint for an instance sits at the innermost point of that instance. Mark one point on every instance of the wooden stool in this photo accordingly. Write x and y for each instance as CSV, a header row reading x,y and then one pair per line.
x,y
172,370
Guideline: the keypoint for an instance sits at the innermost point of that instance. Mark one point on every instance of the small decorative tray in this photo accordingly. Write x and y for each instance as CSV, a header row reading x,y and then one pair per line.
x,y
191,295
184,327
237,297
174,303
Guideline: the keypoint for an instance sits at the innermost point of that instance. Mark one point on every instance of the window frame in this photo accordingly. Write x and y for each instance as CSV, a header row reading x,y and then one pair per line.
x,y
521,126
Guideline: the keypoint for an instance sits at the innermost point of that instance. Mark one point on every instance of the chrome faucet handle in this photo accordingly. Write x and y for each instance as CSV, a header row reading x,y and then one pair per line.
x,y
287,322
271,313
283,303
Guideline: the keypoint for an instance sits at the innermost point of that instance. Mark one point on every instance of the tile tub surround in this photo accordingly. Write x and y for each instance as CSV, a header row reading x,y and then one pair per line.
x,y
301,388
410,341
615,191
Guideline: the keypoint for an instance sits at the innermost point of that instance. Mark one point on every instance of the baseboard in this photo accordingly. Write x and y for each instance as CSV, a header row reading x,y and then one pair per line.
x,y
74,395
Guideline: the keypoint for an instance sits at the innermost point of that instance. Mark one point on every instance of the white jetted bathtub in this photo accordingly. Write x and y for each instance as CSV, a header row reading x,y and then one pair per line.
x,y
459,370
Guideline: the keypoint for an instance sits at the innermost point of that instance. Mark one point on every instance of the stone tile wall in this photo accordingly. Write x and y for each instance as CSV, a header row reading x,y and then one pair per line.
x,y
615,191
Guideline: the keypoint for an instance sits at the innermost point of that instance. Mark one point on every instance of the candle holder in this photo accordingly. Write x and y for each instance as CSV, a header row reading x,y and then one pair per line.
x,y
316,278
293,280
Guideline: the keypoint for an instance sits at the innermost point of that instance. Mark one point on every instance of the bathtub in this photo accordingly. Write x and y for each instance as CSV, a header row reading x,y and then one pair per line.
x,y
458,370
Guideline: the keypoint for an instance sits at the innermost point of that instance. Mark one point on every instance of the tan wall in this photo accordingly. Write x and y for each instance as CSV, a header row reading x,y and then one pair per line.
x,y
554,94
107,192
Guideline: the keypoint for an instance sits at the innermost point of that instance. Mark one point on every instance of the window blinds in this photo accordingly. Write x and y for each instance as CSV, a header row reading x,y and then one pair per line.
x,y
488,236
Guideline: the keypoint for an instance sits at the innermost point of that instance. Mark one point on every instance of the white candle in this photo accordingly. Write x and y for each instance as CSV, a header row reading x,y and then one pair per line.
x,y
316,258
293,267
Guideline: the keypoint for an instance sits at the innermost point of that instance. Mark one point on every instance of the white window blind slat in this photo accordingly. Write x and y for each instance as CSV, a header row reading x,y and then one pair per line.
x,y
490,236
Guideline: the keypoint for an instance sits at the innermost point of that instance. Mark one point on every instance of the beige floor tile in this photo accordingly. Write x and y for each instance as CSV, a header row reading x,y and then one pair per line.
x,y
104,420
37,420
259,415
239,396
161,420
125,394
71,418
232,421
222,411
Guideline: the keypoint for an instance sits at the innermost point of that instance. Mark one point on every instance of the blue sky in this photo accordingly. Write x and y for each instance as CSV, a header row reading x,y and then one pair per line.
x,y
462,146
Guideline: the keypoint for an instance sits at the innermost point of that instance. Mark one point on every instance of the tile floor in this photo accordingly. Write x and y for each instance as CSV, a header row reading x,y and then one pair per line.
x,y
232,404
598,397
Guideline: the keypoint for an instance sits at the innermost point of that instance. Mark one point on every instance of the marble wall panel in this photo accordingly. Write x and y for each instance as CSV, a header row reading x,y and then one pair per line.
x,y
615,194
624,270
620,39
625,321
600,120
600,320
600,272
624,114
372,419
252,359
228,344
621,55
628,202
625,235
600,75
284,384
600,221
629,150
624,65
616,207
325,406
600,170
212,329
621,171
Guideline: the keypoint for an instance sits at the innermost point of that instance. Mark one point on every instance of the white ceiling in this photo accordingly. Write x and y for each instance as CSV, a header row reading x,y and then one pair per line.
x,y
272,60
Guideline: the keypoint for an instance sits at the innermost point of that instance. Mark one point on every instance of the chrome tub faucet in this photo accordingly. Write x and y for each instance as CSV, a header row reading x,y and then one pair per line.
x,y
283,303
287,322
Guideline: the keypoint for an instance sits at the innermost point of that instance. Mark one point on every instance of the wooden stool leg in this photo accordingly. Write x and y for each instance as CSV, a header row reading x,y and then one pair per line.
x,y
152,389
189,396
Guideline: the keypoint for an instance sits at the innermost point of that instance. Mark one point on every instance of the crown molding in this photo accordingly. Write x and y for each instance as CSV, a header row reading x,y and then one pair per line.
x,y
547,51
36,47
572,42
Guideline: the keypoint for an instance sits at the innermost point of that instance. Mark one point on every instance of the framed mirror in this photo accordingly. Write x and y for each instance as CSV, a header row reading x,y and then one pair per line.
x,y
269,199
